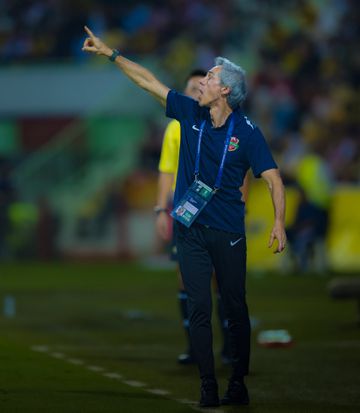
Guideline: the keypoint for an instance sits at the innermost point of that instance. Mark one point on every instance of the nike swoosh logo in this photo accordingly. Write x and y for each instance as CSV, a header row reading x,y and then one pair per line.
x,y
195,128
232,243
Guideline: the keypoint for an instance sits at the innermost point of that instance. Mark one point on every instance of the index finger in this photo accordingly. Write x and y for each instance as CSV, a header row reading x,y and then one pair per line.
x,y
271,240
89,32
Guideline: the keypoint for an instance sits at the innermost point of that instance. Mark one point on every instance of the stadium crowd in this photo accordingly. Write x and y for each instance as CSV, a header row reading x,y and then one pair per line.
x,y
300,56
303,65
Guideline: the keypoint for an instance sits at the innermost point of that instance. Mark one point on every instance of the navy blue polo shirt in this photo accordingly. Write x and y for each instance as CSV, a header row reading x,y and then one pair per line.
x,y
247,149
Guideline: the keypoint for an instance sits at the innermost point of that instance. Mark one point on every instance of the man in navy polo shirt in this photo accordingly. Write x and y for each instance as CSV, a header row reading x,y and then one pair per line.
x,y
218,145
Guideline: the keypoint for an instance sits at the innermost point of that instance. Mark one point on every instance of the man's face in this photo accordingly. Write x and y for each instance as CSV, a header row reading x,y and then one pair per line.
x,y
192,88
210,87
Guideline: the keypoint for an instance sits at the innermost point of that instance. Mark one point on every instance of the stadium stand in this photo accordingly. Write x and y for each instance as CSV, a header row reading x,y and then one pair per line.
x,y
299,56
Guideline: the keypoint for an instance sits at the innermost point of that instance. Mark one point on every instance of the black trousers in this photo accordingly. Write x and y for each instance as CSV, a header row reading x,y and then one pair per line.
x,y
200,249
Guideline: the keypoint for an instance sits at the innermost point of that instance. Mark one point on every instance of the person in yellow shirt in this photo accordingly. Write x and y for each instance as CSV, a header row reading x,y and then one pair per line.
x,y
307,235
168,167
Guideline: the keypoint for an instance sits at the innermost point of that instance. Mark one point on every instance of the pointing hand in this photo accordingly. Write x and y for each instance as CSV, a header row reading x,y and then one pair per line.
x,y
93,44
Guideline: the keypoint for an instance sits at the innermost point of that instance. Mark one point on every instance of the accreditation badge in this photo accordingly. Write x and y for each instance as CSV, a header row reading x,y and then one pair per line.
x,y
192,203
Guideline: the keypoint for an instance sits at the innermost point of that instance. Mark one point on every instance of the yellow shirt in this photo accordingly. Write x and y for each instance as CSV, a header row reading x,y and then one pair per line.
x,y
312,175
169,158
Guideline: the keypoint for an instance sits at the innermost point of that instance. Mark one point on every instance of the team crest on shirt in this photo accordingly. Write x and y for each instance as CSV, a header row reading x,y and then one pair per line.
x,y
234,144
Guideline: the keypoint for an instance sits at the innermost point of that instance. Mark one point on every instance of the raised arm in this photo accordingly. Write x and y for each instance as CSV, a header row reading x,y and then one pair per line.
x,y
135,72
274,181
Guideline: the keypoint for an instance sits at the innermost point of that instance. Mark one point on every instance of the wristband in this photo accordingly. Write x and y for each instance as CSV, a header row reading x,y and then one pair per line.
x,y
114,55
158,210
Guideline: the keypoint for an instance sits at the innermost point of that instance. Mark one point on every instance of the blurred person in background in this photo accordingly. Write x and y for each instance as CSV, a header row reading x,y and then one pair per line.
x,y
47,227
308,233
6,198
217,238
168,167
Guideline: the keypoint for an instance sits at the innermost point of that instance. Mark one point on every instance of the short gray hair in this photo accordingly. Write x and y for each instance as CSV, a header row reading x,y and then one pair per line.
x,y
232,76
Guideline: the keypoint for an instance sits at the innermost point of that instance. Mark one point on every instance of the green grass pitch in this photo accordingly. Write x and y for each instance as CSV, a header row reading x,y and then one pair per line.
x,y
123,319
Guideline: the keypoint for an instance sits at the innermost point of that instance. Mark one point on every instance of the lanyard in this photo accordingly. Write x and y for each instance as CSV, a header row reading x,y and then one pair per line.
x,y
226,146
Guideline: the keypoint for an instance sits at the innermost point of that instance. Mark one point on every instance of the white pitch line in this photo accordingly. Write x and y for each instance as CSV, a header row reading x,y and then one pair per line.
x,y
40,349
77,362
58,355
158,392
113,375
207,409
195,406
95,368
134,383
186,401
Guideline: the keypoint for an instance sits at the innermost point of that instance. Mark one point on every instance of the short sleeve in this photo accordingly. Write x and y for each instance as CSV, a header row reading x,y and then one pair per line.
x,y
170,148
258,153
181,107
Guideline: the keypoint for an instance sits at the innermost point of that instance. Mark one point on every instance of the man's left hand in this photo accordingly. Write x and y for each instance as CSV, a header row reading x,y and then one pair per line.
x,y
278,233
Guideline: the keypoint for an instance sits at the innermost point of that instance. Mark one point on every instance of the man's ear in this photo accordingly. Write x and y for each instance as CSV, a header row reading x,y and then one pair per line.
x,y
225,91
